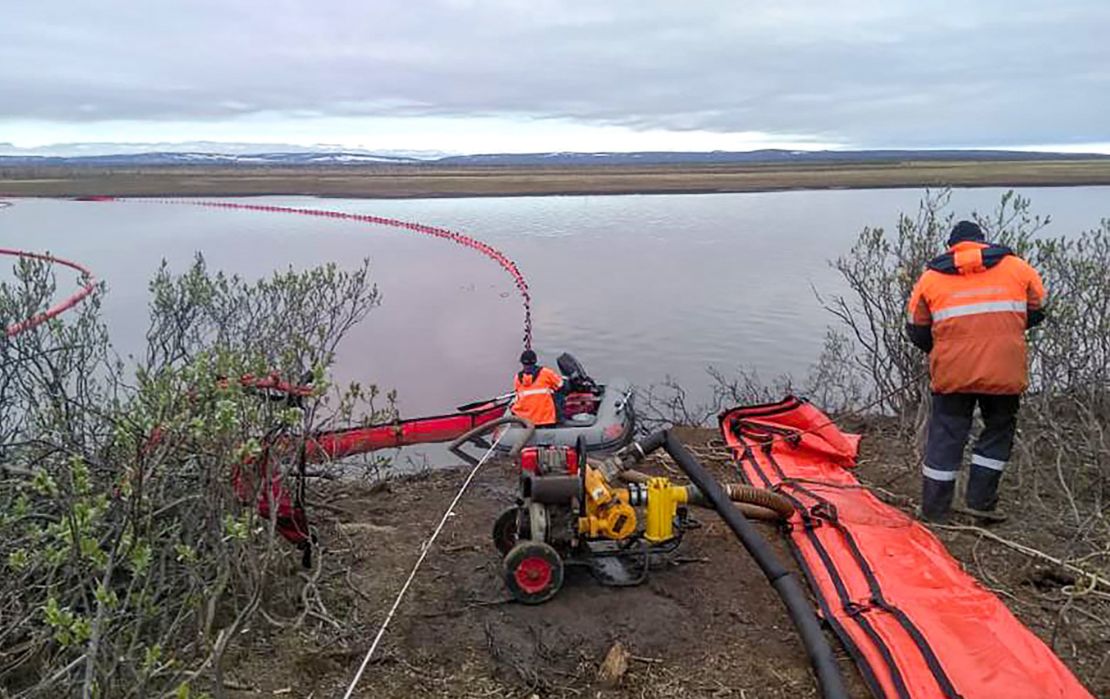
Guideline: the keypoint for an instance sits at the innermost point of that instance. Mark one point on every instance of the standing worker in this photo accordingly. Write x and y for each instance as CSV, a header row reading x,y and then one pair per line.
x,y
535,388
969,311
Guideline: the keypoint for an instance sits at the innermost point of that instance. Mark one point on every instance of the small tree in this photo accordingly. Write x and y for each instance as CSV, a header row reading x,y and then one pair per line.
x,y
880,271
130,564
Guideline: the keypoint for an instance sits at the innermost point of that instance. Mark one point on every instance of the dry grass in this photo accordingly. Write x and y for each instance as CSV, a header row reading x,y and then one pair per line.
x,y
440,181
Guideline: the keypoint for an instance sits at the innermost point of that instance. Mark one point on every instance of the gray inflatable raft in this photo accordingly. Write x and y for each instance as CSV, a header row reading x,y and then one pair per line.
x,y
604,431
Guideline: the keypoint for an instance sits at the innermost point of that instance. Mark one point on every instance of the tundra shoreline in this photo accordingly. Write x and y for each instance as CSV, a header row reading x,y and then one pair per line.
x,y
435,181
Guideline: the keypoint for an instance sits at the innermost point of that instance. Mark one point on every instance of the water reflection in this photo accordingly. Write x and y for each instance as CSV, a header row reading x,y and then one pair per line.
x,y
636,286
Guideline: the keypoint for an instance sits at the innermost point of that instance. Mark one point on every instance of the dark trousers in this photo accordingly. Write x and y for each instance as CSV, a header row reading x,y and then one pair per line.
x,y
949,426
560,398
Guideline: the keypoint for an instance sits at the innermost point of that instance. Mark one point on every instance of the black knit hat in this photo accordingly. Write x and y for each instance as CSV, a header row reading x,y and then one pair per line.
x,y
965,230
528,357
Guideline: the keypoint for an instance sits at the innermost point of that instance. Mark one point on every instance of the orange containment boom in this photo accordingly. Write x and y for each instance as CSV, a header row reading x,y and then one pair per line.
x,y
88,286
336,444
292,521
916,624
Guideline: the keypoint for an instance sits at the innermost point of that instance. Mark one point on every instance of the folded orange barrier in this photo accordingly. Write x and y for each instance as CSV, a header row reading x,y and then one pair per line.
x,y
916,624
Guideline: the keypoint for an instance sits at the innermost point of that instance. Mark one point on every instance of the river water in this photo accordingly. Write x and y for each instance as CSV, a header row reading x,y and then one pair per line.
x,y
636,286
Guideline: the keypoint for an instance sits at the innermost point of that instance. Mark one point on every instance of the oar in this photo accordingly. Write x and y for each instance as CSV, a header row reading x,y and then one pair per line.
x,y
487,401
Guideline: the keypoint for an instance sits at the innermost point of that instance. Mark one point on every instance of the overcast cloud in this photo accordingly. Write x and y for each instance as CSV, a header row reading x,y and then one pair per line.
x,y
548,74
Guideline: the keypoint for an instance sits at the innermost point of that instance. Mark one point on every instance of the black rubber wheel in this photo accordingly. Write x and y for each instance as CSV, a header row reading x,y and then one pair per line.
x,y
506,531
533,572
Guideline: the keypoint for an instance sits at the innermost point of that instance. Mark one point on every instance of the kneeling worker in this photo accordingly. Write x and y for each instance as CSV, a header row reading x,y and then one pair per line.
x,y
535,388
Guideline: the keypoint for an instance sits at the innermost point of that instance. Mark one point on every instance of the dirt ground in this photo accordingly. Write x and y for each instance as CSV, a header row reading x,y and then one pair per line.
x,y
708,625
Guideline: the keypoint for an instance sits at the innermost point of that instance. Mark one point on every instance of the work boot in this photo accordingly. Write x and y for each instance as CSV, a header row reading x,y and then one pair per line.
x,y
984,517
982,488
936,499
920,515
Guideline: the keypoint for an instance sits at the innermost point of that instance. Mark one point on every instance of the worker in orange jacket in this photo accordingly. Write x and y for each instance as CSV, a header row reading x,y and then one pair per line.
x,y
969,311
536,388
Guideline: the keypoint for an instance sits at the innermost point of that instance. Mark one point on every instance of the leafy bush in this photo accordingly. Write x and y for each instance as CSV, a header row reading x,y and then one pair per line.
x,y
130,565
868,366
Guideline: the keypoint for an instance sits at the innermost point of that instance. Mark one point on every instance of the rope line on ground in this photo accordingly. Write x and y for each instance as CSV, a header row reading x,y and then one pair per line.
x,y
424,549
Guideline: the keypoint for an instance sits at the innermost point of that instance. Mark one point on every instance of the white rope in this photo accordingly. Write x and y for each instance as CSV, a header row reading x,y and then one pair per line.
x,y
427,546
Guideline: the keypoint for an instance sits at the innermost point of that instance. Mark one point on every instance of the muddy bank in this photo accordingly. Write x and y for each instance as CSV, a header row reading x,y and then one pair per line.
x,y
707,625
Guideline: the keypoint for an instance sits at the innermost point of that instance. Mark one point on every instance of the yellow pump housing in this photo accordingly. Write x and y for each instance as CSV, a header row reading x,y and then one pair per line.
x,y
608,513
663,500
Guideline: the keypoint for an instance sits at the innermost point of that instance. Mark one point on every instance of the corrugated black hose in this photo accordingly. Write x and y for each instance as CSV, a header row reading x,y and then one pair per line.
x,y
785,583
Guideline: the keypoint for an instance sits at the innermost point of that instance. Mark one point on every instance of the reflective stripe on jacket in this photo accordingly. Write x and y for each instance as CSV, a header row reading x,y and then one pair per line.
x,y
534,400
977,301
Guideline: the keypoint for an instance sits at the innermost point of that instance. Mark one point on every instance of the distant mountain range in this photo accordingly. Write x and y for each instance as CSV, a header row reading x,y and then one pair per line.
x,y
309,158
755,156
174,158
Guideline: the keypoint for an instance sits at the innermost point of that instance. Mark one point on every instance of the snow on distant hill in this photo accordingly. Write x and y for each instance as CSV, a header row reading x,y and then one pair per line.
x,y
185,158
300,156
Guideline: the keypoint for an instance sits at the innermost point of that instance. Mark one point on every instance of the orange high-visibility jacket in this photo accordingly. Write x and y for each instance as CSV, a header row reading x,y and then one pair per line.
x,y
535,395
977,300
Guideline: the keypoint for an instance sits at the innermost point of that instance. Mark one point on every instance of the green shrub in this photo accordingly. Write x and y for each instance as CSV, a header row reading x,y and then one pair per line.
x,y
130,566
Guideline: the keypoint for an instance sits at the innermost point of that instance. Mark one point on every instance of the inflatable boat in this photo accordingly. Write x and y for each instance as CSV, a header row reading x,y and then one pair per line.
x,y
601,415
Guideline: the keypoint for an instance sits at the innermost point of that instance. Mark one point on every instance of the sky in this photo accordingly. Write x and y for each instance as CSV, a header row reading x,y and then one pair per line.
x,y
469,76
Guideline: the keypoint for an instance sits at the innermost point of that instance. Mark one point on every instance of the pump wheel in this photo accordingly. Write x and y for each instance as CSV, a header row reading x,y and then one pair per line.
x,y
533,572
506,531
